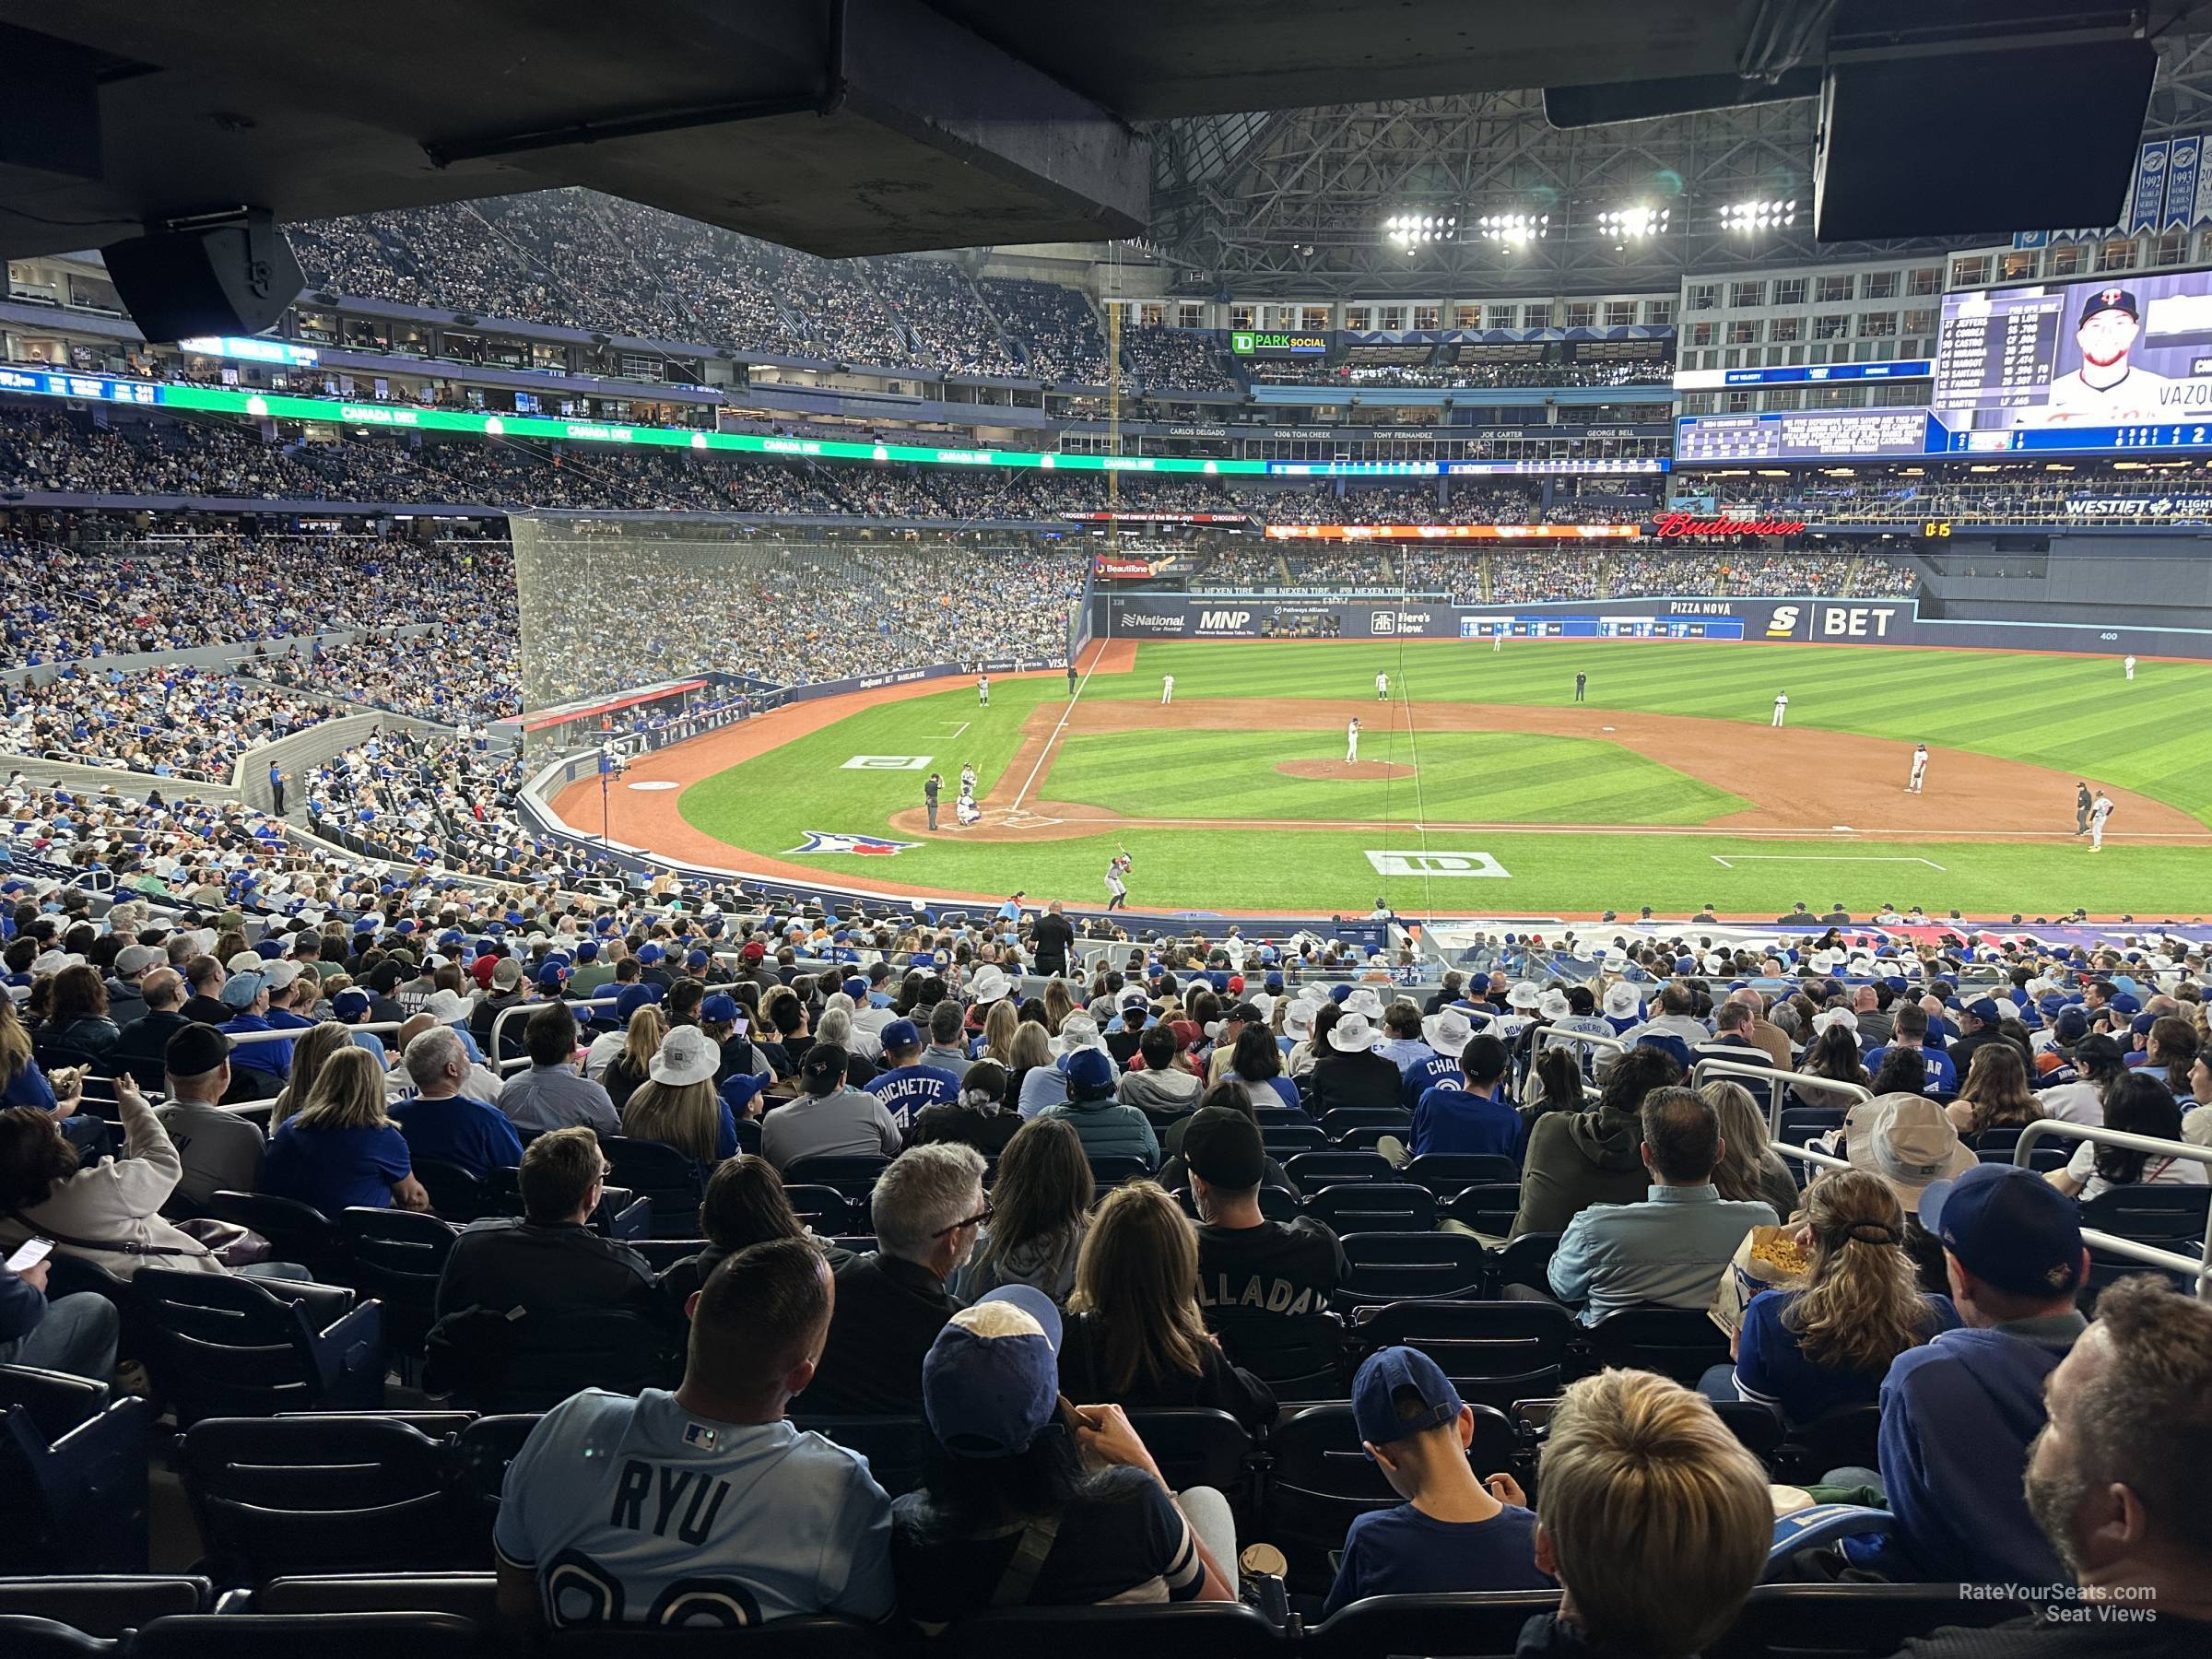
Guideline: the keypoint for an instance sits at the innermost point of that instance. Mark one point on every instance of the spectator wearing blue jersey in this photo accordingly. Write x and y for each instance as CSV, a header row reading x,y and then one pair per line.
x,y
1448,1032
1909,1033
617,1507
340,1150
1471,1115
904,1085
440,1122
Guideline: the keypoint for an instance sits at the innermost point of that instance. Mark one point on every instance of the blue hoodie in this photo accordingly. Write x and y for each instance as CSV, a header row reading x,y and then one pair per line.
x,y
1956,1415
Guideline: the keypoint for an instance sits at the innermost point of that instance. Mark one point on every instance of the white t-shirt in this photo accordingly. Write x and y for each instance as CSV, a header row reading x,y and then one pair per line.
x,y
2079,1102
2157,1171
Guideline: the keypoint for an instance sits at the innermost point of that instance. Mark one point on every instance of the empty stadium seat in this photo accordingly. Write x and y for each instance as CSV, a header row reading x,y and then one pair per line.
x,y
1184,1630
1681,1343
469,1595
1449,1173
105,1603
1341,1121
1395,1266
894,1446
457,1195
1373,1207
824,1209
1525,1261
1495,1352
674,1183
314,1493
855,1176
1282,1140
1486,1207
397,1256
1847,1437
2173,1217
495,1363
1314,1170
27,1636
1477,1626
1851,1621
321,1635
72,1492
225,1346
1110,1171
1299,1356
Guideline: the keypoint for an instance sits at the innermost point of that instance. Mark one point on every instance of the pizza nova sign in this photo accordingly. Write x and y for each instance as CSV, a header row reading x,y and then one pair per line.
x,y
1682,524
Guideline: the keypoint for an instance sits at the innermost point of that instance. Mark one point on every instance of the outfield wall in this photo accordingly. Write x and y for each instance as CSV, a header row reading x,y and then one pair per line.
x,y
1802,620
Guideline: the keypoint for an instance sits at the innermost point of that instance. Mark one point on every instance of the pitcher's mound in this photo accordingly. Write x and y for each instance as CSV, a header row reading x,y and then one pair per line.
x,y
1343,769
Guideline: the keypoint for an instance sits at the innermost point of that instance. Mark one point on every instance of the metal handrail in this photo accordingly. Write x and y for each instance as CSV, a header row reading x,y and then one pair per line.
x,y
1778,1084
499,1020
2201,1268
1619,1043
240,1039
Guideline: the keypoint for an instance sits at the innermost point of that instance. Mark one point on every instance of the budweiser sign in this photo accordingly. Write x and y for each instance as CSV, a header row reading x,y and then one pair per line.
x,y
1682,524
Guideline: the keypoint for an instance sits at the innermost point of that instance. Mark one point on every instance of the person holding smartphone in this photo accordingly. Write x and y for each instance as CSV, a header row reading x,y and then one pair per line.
x,y
72,1333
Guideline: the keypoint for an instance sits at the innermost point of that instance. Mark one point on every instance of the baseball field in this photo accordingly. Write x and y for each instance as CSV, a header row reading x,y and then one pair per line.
x,y
1480,785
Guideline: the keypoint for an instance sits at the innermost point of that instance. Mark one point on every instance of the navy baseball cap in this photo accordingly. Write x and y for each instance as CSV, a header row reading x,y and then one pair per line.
x,y
1984,1009
351,1002
2071,1026
696,958
552,977
1088,1069
2010,1226
991,1381
901,1034
1375,1395
855,987
588,951
718,1008
1672,1047
2127,1002
648,954
2111,300
630,998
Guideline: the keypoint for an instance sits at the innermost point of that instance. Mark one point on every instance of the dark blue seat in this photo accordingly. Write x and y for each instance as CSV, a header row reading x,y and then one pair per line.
x,y
1478,1625
102,1604
1449,1173
226,1345
319,1493
1398,1267
1487,1206
1185,1630
1110,1170
1495,1352
1373,1207
1525,1261
397,1256
673,1181
896,1447
1300,1356
1314,1170
823,1208
853,1175
74,1492
1681,1343
320,1635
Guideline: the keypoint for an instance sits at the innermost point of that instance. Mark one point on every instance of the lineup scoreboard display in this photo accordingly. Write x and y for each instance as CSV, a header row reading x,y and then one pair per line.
x,y
1262,343
1642,627
2118,361
1801,435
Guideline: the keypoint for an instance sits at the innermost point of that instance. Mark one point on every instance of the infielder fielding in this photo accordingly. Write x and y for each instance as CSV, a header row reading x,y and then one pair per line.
x,y
1351,742
1920,767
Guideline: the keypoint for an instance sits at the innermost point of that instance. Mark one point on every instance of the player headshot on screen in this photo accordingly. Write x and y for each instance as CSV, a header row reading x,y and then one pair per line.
x,y
2107,390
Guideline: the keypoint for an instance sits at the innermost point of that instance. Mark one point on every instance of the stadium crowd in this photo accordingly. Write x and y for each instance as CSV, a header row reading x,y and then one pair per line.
x,y
1939,1318
172,722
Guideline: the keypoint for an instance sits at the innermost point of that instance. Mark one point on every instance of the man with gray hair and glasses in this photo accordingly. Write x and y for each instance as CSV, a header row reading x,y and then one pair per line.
x,y
927,1207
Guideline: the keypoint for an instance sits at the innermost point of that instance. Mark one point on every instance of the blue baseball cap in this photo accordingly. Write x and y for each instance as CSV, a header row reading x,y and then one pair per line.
x,y
991,1381
1089,1069
2010,1226
2127,1002
1672,1046
697,959
630,998
351,1004
648,954
552,977
718,1008
901,1034
269,950
855,987
2071,1026
1375,1395
1984,1009
588,951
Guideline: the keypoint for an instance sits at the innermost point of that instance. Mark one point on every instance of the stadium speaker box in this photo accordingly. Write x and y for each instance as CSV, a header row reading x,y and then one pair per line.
x,y
1961,143
230,278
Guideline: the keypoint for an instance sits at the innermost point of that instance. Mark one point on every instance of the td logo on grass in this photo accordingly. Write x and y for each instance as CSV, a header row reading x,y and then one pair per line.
x,y
1437,863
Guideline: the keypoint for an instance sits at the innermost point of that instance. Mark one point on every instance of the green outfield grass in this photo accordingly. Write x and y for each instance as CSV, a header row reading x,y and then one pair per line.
x,y
1464,777
2073,715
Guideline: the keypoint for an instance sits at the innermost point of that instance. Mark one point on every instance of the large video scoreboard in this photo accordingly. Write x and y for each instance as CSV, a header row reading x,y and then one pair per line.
x,y
2109,363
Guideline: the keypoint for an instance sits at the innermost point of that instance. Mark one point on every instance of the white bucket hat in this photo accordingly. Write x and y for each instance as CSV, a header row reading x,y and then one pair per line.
x,y
1352,1035
989,984
1621,1001
686,1055
1448,1032
1524,996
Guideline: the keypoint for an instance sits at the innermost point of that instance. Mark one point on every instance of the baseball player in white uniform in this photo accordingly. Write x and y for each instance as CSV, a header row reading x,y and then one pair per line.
x,y
967,777
1920,767
2100,809
1781,706
1117,890
1381,688
1351,742
2130,666
2107,390
983,690
1167,690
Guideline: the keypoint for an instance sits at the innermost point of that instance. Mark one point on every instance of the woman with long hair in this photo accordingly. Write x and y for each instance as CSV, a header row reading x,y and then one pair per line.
x,y
2171,1051
1041,1198
640,1042
676,1104
1256,1066
979,1118
1030,1047
745,1204
21,1081
1751,1169
998,1032
76,1016
1059,1003
2099,1063
310,1051
339,1151
1995,1094
1804,1353
1558,1082
2139,1104
1135,1335
1833,1054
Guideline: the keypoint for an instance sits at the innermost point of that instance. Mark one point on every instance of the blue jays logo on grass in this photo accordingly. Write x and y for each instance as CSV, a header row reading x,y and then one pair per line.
x,y
824,840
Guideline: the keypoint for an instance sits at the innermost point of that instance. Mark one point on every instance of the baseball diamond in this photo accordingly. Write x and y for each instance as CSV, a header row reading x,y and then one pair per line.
x,y
1236,796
